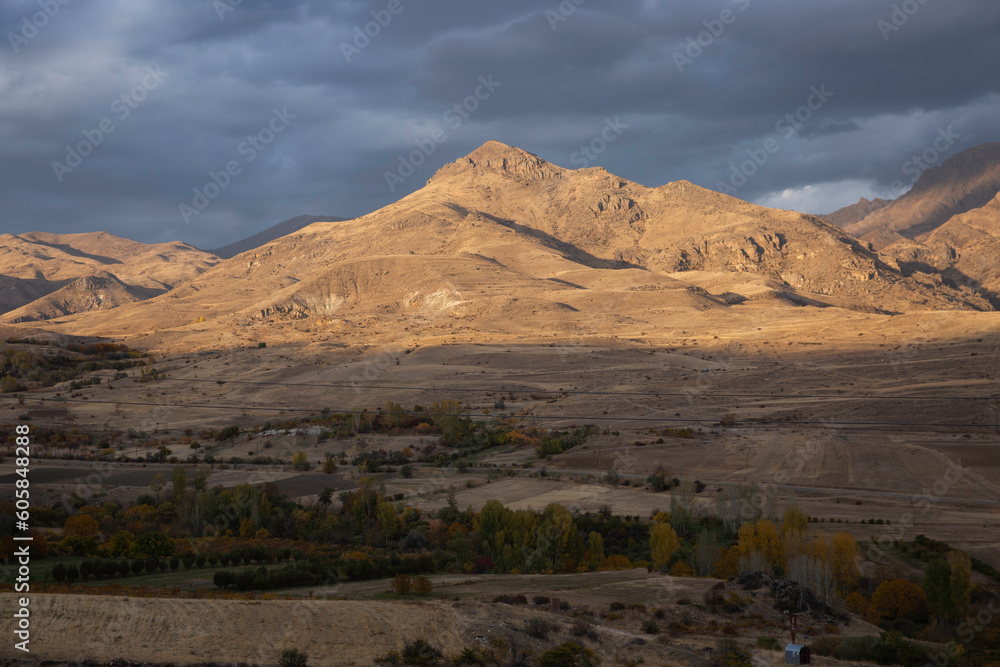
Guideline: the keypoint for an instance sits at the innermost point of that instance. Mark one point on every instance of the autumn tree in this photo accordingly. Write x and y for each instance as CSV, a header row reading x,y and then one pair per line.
x,y
80,525
900,598
794,521
843,552
759,546
663,542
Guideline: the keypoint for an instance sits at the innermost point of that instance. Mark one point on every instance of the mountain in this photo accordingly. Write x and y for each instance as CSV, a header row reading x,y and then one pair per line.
x,y
964,250
501,238
855,212
285,228
51,275
963,182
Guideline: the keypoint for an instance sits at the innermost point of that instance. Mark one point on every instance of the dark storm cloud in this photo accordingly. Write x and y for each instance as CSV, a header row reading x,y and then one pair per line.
x,y
564,70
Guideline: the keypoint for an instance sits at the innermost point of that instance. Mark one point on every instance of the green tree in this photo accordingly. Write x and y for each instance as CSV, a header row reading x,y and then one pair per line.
x,y
961,582
157,485
937,585
178,479
595,550
553,538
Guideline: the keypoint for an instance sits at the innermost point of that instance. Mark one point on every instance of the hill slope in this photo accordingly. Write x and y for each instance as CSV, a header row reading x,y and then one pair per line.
x,y
501,239
963,182
55,269
273,232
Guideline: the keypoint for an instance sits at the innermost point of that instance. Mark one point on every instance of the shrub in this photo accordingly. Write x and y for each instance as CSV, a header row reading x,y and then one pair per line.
x,y
583,629
541,600
538,628
568,654
731,654
293,658
772,644
828,646
650,627
422,586
420,654
401,584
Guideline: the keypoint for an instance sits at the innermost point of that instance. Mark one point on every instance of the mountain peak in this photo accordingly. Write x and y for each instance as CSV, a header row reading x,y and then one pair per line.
x,y
498,157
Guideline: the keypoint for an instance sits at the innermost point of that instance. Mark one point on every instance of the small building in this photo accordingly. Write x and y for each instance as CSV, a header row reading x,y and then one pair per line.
x,y
797,654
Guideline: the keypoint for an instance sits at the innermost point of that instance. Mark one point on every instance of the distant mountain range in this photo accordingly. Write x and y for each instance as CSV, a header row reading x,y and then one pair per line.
x,y
285,228
501,237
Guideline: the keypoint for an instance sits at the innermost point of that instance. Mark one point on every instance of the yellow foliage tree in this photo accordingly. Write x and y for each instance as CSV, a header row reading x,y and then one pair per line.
x,y
794,521
843,551
663,542
759,546
80,525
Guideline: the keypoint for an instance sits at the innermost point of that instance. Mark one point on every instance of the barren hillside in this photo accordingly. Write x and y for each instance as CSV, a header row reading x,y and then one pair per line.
x,y
501,237
51,275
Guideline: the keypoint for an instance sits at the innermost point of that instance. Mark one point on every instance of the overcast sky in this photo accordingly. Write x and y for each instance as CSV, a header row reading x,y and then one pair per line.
x,y
688,87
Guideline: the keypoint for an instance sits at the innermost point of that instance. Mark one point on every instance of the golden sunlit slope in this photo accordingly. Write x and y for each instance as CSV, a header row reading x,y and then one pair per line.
x,y
508,242
45,275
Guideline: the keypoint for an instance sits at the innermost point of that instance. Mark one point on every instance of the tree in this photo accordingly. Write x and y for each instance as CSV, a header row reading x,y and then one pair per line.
x,y
595,550
59,573
387,519
72,574
937,586
422,586
961,581
401,584
157,485
844,549
553,538
663,542
178,480
299,461
81,525
760,547
120,545
706,552
153,545
900,598
330,465
794,521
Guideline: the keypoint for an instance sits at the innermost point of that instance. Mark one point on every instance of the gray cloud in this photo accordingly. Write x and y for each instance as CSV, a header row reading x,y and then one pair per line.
x,y
353,119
